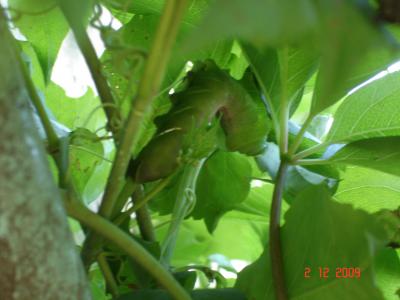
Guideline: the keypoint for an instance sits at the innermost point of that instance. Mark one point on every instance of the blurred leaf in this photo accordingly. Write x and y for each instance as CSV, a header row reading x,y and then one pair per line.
x,y
194,12
369,189
85,153
262,22
45,31
382,154
224,182
353,51
370,112
212,294
319,232
387,266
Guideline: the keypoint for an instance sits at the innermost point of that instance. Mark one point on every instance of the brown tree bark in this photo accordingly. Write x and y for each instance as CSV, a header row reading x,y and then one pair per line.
x,y
38,259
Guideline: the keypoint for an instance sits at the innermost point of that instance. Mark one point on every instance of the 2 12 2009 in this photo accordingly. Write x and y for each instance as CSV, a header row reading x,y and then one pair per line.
x,y
324,272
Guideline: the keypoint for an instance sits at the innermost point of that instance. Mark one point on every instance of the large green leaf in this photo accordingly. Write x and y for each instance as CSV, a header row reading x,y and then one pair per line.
x,y
44,31
262,22
369,189
319,232
223,182
382,154
353,50
267,64
372,111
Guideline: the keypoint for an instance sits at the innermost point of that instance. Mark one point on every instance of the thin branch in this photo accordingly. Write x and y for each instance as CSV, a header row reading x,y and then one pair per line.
x,y
144,221
108,275
122,240
278,275
94,65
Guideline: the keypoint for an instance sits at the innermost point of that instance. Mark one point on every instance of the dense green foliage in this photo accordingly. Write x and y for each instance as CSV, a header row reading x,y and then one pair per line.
x,y
209,118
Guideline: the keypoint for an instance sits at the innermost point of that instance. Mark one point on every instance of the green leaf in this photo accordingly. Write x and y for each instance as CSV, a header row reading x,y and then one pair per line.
x,y
266,64
319,232
388,273
193,15
369,189
85,153
353,51
262,22
382,154
372,111
45,31
223,182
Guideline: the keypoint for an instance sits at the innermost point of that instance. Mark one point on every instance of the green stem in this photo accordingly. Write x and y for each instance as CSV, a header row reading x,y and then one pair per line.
x,y
311,162
284,105
300,135
122,240
108,275
276,257
148,87
310,151
181,207
95,67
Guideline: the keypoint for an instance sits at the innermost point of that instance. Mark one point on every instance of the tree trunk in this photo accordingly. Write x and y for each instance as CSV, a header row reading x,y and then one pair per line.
x,y
38,259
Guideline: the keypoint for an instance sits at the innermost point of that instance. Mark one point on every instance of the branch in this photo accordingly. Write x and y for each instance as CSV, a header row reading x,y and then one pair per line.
x,y
277,267
122,240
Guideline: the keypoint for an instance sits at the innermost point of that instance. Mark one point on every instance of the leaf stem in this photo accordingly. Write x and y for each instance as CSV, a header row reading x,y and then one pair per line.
x,y
122,240
284,105
275,248
300,135
310,151
311,162
148,87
